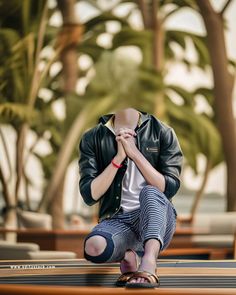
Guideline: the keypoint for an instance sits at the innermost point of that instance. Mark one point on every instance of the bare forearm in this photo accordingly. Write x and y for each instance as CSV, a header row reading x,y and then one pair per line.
x,y
103,181
151,175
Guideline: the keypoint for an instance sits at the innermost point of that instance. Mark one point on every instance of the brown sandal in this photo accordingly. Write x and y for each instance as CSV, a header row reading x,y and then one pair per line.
x,y
124,277
153,280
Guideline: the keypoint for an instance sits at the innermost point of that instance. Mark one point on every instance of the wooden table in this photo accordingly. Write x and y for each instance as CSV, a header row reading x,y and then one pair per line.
x,y
49,290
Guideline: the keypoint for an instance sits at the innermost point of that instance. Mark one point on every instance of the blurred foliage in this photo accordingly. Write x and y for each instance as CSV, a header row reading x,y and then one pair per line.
x,y
113,81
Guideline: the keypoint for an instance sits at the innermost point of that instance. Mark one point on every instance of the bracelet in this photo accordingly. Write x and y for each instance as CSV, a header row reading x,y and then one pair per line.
x,y
116,165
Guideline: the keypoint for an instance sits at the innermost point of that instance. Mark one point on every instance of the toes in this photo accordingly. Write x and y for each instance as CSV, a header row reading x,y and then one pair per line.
x,y
138,280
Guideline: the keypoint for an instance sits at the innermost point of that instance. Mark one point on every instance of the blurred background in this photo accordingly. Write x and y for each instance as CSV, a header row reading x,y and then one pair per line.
x,y
64,63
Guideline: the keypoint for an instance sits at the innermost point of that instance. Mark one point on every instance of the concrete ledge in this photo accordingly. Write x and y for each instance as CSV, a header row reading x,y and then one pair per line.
x,y
21,251
5,245
216,241
41,255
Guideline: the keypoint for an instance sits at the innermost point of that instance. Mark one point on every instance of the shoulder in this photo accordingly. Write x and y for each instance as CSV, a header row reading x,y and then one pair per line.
x,y
166,132
88,139
90,133
160,125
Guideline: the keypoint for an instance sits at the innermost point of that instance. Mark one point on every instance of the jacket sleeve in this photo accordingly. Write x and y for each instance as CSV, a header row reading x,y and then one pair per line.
x,y
88,167
170,161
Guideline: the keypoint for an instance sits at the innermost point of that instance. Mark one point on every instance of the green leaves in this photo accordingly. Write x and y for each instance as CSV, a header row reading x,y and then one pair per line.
x,y
128,36
181,38
15,113
8,38
180,3
187,96
114,81
197,131
207,93
99,21
124,80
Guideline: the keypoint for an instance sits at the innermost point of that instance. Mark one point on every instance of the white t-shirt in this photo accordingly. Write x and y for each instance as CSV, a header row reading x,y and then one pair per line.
x,y
132,184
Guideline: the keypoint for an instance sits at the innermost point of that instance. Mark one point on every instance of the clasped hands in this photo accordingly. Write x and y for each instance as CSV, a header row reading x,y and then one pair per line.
x,y
126,146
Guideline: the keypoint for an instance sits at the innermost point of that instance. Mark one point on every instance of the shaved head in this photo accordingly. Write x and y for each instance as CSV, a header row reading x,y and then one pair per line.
x,y
126,118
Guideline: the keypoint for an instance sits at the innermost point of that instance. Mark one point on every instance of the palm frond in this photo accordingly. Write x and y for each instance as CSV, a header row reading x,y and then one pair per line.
x,y
16,112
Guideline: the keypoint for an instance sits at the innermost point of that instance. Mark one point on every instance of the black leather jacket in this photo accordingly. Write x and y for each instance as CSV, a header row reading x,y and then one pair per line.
x,y
156,141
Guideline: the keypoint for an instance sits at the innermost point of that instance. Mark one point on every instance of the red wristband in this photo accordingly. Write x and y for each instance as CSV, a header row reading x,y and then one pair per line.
x,y
116,165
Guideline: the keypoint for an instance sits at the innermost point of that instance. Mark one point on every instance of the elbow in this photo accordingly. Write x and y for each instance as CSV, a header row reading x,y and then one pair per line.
x,y
172,186
85,191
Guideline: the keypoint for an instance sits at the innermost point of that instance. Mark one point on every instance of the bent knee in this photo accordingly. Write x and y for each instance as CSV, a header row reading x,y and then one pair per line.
x,y
98,247
150,191
95,245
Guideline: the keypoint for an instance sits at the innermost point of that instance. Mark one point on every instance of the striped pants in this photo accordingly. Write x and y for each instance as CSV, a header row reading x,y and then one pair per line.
x,y
155,219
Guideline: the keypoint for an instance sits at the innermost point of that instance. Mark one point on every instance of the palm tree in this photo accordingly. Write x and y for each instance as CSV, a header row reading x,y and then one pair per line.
x,y
68,39
145,40
155,42
104,92
223,90
35,112
22,35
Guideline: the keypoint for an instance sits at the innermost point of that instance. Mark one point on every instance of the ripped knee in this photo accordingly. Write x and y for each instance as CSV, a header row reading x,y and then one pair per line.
x,y
95,245
98,247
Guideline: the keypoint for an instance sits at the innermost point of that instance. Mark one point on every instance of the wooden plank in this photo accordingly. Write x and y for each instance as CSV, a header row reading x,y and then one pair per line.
x,y
167,274
162,271
212,253
48,290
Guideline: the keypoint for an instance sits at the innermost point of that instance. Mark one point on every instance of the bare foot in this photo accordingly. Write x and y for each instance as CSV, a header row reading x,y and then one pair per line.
x,y
129,263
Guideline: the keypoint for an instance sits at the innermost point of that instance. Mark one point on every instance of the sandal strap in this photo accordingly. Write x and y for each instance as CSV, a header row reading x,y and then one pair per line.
x,y
125,276
136,258
150,277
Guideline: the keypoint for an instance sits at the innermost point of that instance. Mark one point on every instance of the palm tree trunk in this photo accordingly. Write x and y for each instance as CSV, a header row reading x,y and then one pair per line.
x,y
158,54
7,155
223,88
158,38
21,135
68,39
27,195
5,191
200,192
56,206
10,222
10,219
32,95
153,22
